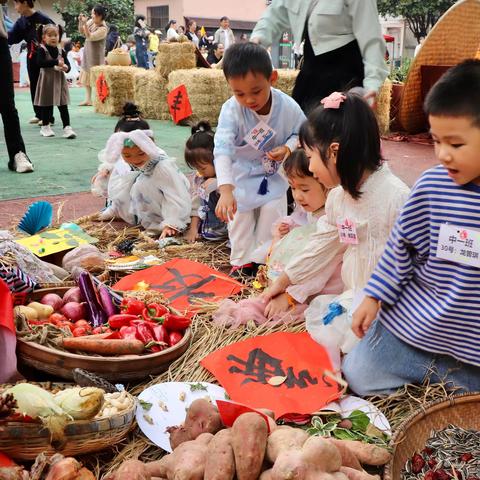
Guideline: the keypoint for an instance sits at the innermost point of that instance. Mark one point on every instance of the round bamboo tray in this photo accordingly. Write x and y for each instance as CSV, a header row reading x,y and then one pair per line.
x,y
24,441
123,368
460,410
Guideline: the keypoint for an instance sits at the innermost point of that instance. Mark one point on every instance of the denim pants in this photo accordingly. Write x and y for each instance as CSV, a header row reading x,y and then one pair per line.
x,y
381,363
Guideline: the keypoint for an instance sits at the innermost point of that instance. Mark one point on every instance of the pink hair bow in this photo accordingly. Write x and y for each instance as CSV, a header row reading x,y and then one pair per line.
x,y
334,100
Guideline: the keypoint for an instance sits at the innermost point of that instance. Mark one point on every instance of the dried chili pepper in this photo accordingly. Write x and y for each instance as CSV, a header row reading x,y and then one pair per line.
x,y
129,333
132,306
174,338
160,334
417,463
176,322
121,320
144,334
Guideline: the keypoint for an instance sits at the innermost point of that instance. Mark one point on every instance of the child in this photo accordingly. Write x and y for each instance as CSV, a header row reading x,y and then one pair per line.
x,y
52,88
342,141
424,291
257,129
24,81
155,193
199,156
72,56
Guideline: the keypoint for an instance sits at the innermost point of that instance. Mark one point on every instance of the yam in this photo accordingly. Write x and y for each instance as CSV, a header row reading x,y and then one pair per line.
x,y
220,464
202,417
249,441
291,465
131,470
266,475
353,474
348,458
324,455
284,438
367,453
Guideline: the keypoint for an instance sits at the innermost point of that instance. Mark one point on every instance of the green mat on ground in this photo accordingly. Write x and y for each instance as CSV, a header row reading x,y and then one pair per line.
x,y
66,166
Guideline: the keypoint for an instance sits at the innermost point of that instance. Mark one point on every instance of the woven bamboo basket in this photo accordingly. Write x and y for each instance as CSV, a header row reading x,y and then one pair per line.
x,y
123,368
460,410
24,441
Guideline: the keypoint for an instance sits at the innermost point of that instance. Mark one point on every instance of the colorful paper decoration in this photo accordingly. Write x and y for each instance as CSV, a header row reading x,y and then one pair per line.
x,y
103,92
284,372
182,281
179,104
56,240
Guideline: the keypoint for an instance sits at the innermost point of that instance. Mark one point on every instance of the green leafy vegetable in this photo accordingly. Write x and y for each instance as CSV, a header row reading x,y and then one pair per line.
x,y
145,405
197,386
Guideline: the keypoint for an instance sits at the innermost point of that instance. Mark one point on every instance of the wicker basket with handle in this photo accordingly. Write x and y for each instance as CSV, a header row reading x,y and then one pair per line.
x,y
460,410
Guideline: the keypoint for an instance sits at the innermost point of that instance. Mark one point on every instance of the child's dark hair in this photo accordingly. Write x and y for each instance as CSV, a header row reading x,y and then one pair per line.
x,y
68,46
138,19
296,165
30,3
131,119
43,28
100,11
199,147
354,126
457,93
242,58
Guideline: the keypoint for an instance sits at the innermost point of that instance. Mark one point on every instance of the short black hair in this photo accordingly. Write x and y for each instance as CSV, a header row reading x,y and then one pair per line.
x,y
199,147
100,10
224,18
131,119
457,93
137,20
30,3
354,126
243,58
297,164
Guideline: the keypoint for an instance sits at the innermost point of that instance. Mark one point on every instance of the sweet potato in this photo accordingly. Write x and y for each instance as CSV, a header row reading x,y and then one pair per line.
x,y
249,441
103,346
284,438
266,475
348,458
220,464
353,474
367,453
178,435
131,470
291,465
322,454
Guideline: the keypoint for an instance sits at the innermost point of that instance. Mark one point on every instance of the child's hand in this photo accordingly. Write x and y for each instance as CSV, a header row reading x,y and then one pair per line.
x,y
278,153
364,315
278,287
283,229
191,236
227,205
208,184
168,232
277,306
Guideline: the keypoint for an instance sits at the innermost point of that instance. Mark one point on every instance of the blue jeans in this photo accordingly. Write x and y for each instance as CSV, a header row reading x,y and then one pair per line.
x,y
381,363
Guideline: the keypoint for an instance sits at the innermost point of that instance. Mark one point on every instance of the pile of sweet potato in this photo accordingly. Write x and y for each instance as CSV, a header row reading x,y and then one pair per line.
x,y
252,450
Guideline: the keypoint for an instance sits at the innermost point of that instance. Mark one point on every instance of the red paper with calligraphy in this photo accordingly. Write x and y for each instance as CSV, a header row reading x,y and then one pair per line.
x,y
103,91
182,281
179,104
245,368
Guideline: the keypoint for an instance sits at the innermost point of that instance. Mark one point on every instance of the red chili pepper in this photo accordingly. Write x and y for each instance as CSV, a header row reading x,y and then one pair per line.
x,y
174,338
154,310
101,329
176,322
157,348
160,334
132,306
129,333
121,320
144,334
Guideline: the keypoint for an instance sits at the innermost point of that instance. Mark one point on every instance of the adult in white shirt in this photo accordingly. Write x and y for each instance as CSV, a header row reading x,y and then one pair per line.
x,y
344,45
419,46
172,34
224,34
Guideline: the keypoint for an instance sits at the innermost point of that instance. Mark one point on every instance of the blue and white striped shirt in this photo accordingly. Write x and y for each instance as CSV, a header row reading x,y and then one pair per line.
x,y
430,303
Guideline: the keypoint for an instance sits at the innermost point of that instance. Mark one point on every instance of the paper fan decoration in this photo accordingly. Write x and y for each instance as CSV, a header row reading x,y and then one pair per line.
x,y
37,217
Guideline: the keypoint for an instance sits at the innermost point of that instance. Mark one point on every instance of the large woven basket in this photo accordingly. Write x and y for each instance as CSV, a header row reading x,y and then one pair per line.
x,y
122,368
455,37
460,410
24,441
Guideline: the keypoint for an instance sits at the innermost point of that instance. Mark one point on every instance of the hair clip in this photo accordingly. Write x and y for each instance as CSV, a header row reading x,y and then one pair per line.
x,y
334,100
129,143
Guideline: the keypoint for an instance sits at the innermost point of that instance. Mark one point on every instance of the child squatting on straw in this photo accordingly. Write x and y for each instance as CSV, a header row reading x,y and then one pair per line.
x,y
420,316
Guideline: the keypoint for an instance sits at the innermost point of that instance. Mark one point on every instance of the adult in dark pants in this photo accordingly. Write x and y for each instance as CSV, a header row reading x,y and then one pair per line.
x,y
344,46
17,158
25,29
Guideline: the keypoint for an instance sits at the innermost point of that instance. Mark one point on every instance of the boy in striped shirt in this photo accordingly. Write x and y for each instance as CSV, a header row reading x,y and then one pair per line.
x,y
424,293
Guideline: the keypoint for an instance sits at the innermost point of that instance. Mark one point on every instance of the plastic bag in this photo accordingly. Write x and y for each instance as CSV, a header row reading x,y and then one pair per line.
x,y
87,256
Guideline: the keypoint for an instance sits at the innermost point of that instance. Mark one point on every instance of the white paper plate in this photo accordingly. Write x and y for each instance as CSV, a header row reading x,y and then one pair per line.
x,y
169,394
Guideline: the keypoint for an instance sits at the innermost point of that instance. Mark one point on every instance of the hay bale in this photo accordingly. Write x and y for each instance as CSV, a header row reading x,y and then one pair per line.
x,y
121,85
383,107
207,90
286,80
175,56
151,94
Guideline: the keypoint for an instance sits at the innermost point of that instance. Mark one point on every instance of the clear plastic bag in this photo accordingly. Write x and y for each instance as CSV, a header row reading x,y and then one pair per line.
x,y
87,256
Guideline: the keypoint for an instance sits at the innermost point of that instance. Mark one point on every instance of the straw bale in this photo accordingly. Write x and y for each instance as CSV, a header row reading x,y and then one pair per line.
x,y
121,85
286,80
175,56
207,90
151,94
383,107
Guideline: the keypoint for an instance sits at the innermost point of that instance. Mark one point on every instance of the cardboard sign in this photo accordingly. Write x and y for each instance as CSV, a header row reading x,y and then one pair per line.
x,y
459,245
284,372
54,241
179,104
182,281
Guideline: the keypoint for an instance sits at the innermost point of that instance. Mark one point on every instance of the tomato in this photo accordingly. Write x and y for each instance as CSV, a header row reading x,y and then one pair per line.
x,y
55,318
80,332
101,329
66,324
82,323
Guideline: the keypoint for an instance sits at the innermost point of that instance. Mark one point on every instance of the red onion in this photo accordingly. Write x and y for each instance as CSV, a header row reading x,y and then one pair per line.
x,y
73,311
73,295
53,300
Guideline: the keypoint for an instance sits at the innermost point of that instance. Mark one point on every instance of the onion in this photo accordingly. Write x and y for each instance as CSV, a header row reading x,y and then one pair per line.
x,y
53,300
73,295
73,311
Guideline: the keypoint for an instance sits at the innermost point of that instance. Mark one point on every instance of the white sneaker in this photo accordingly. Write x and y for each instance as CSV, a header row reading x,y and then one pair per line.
x,y
106,214
22,163
46,131
34,120
68,132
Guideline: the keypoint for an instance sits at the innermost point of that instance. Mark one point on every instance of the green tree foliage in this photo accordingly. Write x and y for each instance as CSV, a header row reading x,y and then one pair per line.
x,y
421,15
119,13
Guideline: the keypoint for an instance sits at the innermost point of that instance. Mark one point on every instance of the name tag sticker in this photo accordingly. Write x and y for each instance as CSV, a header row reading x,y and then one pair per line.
x,y
347,231
459,245
260,135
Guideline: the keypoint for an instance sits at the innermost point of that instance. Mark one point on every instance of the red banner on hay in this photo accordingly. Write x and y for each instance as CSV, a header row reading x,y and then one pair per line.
x,y
103,91
284,372
182,281
179,104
